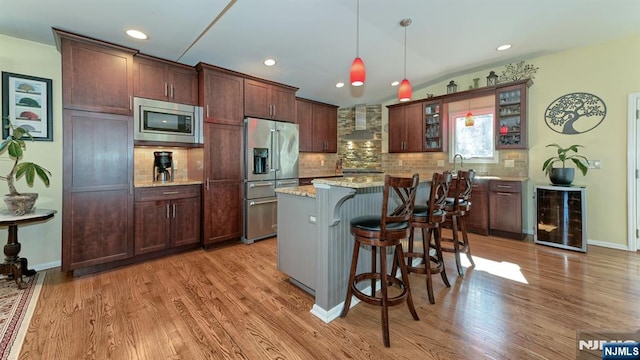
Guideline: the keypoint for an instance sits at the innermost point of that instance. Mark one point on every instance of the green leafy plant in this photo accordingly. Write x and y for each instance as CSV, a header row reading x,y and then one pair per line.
x,y
564,155
14,145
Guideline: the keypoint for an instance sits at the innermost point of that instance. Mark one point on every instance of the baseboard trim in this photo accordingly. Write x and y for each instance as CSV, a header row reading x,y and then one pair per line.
x,y
45,266
608,245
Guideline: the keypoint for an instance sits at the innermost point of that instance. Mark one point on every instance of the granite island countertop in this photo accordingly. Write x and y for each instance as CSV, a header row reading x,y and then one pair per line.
x,y
366,181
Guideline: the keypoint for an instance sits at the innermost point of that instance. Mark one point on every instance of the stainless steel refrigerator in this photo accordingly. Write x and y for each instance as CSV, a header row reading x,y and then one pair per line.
x,y
271,161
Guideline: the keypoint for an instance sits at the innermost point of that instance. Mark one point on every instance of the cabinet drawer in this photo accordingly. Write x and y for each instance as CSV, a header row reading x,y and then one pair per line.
x,y
167,192
505,186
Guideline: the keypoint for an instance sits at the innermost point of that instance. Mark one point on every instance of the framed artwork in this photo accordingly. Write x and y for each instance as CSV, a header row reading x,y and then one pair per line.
x,y
26,102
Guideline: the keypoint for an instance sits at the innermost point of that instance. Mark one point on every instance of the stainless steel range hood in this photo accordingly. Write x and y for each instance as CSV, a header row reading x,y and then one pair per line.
x,y
360,132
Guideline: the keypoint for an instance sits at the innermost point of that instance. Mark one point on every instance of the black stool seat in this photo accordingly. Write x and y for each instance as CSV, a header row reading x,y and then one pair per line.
x,y
373,223
382,232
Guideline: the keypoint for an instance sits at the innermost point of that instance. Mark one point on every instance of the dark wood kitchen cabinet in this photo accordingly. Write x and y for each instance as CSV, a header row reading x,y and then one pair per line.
x,y
511,113
269,100
97,199
477,218
221,95
223,149
406,128
164,80
96,76
166,217
505,209
318,125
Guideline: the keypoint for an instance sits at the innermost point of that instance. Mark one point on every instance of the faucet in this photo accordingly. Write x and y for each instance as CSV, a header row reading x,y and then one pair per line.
x,y
454,162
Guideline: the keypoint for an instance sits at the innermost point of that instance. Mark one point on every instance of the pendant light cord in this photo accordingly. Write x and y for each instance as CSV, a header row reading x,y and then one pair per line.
x,y
358,28
405,52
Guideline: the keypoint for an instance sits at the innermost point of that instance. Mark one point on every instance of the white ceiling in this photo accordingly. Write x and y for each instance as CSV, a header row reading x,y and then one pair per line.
x,y
314,41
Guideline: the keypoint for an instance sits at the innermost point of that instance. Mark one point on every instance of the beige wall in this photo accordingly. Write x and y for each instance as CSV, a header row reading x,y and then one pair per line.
x,y
608,70
41,243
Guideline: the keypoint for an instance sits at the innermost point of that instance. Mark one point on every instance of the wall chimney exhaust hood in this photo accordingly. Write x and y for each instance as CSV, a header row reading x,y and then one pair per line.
x,y
360,132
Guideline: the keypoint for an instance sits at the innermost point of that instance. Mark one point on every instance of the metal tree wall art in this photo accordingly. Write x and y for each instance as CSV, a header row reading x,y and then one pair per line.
x,y
518,71
575,113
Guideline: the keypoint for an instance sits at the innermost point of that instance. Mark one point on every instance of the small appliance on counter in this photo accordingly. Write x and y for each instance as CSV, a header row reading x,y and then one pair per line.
x,y
163,166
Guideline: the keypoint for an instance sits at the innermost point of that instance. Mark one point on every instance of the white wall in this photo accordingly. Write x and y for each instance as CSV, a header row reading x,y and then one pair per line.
x,y
609,70
42,242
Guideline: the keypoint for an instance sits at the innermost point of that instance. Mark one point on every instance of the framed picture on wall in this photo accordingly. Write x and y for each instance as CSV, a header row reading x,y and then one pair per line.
x,y
26,102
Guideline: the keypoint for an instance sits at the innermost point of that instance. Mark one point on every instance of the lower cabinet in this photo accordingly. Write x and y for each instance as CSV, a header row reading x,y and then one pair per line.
x,y
477,219
166,217
505,209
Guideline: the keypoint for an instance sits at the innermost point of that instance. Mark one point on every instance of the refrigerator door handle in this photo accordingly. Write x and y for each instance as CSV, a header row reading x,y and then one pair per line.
x,y
272,155
276,149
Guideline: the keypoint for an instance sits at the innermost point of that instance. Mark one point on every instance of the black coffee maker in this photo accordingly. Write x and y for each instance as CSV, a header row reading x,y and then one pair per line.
x,y
163,166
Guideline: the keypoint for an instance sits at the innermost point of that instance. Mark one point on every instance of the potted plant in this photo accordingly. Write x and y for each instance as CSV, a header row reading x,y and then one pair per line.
x,y
564,175
14,145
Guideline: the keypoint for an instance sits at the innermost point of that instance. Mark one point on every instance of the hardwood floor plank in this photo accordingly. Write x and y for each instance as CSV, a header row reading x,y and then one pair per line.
x,y
521,301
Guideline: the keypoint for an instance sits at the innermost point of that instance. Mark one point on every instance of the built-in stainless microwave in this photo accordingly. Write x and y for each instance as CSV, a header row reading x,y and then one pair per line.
x,y
156,120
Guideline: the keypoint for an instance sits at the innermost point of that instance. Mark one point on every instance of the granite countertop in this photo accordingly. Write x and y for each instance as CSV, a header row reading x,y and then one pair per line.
x,y
366,181
167,183
305,190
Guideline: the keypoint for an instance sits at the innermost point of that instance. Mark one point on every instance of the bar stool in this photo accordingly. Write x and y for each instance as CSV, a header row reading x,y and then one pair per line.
x,y
428,218
456,209
381,232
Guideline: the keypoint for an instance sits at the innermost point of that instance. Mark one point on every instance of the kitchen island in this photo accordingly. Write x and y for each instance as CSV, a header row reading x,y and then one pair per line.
x,y
314,240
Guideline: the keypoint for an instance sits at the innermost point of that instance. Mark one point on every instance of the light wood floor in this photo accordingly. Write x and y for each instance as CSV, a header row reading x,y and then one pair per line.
x,y
233,303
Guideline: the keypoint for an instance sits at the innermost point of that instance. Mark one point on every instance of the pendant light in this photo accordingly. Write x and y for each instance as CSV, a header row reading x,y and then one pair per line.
x,y
468,119
404,90
358,73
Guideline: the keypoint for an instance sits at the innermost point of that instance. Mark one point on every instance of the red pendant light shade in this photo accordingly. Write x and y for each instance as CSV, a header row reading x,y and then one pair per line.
x,y
358,73
404,90
468,120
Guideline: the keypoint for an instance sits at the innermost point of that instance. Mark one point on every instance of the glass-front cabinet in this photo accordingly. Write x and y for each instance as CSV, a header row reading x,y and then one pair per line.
x,y
433,127
511,112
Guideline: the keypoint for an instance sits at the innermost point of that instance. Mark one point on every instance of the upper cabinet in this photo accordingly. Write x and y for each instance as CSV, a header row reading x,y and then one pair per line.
x,y
511,114
434,127
165,80
318,124
269,100
422,125
97,76
406,129
221,95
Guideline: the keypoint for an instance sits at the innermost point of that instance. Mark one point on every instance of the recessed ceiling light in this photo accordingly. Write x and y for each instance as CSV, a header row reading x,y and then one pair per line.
x,y
340,84
395,83
269,62
503,47
137,34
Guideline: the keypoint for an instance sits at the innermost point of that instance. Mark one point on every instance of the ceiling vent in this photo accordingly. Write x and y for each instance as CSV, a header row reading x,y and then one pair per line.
x,y
360,132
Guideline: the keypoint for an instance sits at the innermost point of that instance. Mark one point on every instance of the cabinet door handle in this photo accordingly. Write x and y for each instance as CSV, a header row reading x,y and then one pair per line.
x,y
504,194
207,184
174,211
173,91
167,211
505,186
170,192
274,110
207,110
130,102
166,89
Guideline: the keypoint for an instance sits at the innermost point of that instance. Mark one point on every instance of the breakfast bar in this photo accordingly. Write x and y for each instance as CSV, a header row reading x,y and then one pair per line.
x,y
314,240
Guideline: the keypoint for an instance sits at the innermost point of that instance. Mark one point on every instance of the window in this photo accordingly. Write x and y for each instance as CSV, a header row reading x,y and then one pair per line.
x,y
475,143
